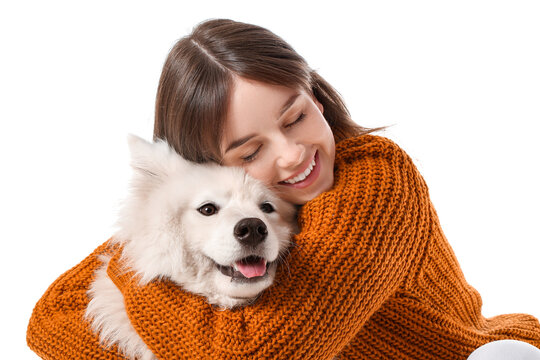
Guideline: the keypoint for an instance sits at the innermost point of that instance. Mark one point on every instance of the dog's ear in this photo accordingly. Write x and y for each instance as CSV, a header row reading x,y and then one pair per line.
x,y
152,162
143,157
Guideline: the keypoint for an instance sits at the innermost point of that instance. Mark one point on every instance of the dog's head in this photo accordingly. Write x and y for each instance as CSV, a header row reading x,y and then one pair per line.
x,y
212,229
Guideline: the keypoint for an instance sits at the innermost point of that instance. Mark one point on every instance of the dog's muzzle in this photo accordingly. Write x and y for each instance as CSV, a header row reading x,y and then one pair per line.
x,y
250,232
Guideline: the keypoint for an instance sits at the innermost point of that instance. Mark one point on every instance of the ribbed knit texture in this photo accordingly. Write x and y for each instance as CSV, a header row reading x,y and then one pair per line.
x,y
57,330
371,277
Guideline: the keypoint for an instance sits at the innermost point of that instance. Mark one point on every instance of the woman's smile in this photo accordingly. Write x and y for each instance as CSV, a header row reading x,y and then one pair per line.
x,y
306,177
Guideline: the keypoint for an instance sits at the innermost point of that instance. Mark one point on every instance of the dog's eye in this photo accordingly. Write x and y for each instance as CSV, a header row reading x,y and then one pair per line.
x,y
208,209
267,208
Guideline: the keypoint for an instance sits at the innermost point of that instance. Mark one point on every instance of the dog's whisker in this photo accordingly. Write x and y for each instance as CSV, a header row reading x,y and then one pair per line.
x,y
286,262
297,246
282,260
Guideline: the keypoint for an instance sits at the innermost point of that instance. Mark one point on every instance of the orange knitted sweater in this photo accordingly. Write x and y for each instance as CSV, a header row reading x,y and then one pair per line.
x,y
372,276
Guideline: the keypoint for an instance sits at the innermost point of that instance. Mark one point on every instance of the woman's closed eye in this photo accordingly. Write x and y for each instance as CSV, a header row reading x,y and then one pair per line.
x,y
298,120
252,156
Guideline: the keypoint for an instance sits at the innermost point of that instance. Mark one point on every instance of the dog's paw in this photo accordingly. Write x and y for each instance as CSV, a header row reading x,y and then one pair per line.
x,y
108,318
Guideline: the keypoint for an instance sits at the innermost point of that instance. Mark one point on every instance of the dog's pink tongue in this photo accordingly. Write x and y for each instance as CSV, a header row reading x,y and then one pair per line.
x,y
252,269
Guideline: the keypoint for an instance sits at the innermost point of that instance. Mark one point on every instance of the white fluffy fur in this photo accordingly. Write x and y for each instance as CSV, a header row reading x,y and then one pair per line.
x,y
165,236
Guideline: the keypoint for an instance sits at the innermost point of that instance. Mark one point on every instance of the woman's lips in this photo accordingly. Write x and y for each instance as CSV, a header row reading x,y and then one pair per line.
x,y
310,178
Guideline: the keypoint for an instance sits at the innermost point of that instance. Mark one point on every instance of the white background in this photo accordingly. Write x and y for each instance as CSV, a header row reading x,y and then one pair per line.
x,y
459,80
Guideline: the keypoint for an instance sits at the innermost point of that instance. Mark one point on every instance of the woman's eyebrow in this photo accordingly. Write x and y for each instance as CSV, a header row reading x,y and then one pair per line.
x,y
290,101
239,142
288,104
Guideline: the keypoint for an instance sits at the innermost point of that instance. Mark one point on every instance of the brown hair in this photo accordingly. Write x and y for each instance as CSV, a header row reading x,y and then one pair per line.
x,y
193,91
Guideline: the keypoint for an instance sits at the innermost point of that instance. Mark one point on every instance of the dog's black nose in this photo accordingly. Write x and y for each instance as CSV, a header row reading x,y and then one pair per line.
x,y
250,231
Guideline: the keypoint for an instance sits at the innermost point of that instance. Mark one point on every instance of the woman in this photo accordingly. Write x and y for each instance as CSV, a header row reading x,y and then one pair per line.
x,y
371,276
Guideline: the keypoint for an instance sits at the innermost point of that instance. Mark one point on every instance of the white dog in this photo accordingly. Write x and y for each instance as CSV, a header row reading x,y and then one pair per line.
x,y
213,230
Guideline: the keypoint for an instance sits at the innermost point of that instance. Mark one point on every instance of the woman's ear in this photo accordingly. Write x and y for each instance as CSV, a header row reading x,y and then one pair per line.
x,y
319,105
317,102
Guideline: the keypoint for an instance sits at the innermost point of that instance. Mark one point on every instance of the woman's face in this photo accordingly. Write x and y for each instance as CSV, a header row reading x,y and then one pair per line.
x,y
279,136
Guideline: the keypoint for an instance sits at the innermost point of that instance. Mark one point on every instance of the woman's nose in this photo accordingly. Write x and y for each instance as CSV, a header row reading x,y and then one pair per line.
x,y
290,155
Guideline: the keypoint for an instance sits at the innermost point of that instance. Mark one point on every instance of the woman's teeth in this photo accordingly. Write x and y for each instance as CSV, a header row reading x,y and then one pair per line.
x,y
303,175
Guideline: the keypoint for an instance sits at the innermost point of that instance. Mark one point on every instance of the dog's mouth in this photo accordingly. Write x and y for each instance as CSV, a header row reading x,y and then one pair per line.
x,y
250,268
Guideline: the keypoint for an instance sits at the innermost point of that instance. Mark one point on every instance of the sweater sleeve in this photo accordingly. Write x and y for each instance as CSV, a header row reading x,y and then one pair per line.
x,y
57,329
359,243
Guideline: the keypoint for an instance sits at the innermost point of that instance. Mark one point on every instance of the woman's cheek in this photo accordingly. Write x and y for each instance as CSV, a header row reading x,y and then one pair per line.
x,y
258,172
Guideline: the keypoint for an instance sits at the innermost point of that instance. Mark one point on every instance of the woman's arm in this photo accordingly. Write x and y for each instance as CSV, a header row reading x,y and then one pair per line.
x,y
358,244
57,329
